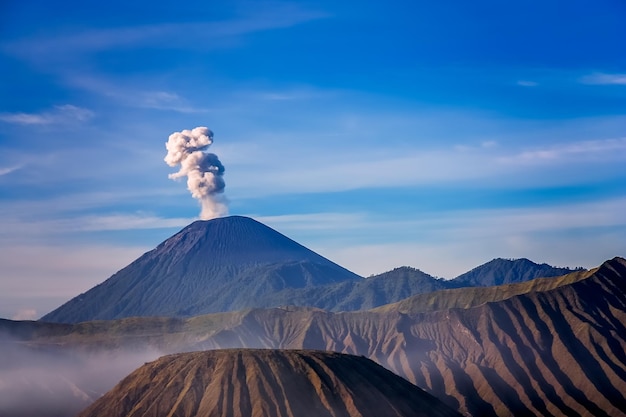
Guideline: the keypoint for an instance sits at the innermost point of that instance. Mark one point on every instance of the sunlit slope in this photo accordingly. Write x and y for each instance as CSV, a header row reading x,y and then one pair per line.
x,y
265,383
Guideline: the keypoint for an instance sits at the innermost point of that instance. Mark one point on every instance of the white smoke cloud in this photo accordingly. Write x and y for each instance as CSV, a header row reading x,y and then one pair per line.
x,y
203,170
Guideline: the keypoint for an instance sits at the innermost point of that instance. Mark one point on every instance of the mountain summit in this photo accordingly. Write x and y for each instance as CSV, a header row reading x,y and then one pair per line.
x,y
223,264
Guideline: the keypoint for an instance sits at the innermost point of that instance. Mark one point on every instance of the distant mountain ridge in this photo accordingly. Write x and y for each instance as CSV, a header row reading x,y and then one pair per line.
x,y
507,271
362,294
234,263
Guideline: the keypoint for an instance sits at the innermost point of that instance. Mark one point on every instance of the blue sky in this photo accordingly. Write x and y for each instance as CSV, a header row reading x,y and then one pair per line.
x,y
438,135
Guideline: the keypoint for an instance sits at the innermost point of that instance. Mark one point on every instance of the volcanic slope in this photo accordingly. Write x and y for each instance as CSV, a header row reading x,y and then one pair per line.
x,y
507,271
224,264
552,347
362,294
265,383
556,349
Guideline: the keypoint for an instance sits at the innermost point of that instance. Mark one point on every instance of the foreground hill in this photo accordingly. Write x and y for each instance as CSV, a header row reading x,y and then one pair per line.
x,y
265,383
223,264
507,271
552,347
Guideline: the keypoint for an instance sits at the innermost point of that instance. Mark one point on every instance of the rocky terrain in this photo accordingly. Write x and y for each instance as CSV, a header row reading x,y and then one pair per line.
x,y
551,346
265,383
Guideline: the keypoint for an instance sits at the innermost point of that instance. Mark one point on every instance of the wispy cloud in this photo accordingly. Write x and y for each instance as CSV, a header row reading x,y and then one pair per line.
x,y
361,168
194,35
129,222
61,270
288,94
129,95
604,79
605,148
36,228
448,243
8,170
527,83
62,114
315,221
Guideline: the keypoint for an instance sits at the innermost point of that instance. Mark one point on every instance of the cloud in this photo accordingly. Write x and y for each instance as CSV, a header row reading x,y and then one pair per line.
x,y
125,222
369,167
187,35
36,227
603,148
25,314
527,83
604,79
448,243
62,114
61,270
362,168
463,224
321,222
8,170
128,94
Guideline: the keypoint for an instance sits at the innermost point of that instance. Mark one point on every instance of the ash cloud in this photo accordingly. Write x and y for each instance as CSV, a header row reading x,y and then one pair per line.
x,y
204,171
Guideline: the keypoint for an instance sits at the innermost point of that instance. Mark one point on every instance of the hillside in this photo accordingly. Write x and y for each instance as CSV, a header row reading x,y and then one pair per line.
x,y
468,297
362,294
546,347
507,271
265,383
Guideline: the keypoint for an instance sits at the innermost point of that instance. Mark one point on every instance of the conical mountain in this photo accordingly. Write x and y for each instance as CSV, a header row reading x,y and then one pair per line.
x,y
265,383
224,264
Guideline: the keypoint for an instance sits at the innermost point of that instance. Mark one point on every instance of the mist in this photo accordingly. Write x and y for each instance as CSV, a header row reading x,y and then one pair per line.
x,y
51,381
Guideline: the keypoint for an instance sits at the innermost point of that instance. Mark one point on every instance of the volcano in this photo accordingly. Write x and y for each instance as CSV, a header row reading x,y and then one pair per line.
x,y
265,383
224,264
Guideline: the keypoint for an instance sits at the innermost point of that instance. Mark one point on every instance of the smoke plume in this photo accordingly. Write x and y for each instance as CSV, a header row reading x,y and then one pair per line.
x,y
203,170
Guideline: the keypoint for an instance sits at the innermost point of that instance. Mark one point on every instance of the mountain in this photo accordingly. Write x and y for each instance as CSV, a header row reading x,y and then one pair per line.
x,y
507,271
224,264
265,383
551,347
234,263
467,297
362,294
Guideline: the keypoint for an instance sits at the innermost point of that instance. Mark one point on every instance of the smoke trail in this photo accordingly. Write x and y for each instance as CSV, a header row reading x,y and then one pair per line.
x,y
203,170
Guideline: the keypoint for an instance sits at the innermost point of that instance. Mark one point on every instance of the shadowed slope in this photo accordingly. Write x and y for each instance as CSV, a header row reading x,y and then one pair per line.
x,y
234,263
265,383
362,294
507,271
468,297
223,264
